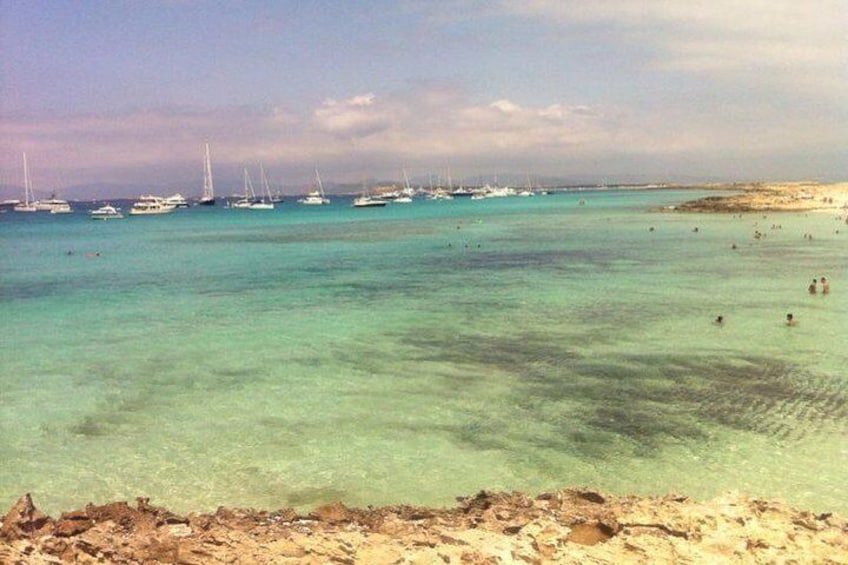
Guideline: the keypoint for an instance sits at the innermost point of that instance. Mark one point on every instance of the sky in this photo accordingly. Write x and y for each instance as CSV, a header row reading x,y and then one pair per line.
x,y
120,96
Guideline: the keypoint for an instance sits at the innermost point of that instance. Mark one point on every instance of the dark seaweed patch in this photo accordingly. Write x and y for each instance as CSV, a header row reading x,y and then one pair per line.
x,y
484,259
89,427
765,396
311,497
364,291
512,354
646,400
355,232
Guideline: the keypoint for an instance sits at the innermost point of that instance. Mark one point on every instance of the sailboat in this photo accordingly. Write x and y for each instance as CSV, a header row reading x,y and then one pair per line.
x,y
249,195
462,192
208,197
316,197
407,192
261,203
250,201
439,193
368,201
28,205
529,190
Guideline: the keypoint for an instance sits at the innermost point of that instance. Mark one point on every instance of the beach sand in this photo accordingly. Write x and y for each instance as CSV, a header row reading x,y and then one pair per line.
x,y
764,196
567,526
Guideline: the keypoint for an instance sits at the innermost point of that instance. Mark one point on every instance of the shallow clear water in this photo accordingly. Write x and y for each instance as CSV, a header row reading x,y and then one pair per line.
x,y
419,352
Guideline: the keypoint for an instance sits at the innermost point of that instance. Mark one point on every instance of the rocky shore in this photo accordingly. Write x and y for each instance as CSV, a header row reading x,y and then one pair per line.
x,y
761,197
566,526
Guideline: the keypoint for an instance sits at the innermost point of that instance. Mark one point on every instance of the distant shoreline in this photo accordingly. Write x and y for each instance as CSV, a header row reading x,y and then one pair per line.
x,y
748,196
771,197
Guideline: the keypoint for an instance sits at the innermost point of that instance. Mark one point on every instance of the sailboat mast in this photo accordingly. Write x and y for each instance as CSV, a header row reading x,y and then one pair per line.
x,y
208,190
248,186
320,184
27,185
405,179
265,185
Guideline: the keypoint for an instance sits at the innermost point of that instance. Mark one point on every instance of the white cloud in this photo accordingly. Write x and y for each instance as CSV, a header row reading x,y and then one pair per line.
x,y
365,130
358,116
427,128
505,106
713,37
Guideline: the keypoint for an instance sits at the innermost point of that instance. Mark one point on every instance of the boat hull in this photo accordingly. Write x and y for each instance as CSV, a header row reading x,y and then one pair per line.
x,y
138,212
369,204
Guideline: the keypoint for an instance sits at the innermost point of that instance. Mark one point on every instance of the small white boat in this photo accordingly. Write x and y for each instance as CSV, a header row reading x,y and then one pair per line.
x,y
405,195
527,191
149,205
440,194
53,205
366,201
499,192
266,201
177,201
261,205
316,197
60,208
241,203
106,212
250,201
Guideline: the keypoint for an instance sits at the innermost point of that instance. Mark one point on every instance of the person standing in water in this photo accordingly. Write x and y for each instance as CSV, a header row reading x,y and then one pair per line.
x,y
812,288
825,285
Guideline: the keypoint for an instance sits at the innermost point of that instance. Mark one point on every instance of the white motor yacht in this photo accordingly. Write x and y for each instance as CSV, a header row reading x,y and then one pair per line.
x,y
177,201
53,205
148,205
106,212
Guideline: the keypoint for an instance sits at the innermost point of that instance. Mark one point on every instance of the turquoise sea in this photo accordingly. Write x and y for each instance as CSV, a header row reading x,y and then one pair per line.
x,y
420,352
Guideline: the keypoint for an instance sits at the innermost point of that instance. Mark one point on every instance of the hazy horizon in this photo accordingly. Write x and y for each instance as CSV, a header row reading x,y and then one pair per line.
x,y
96,191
